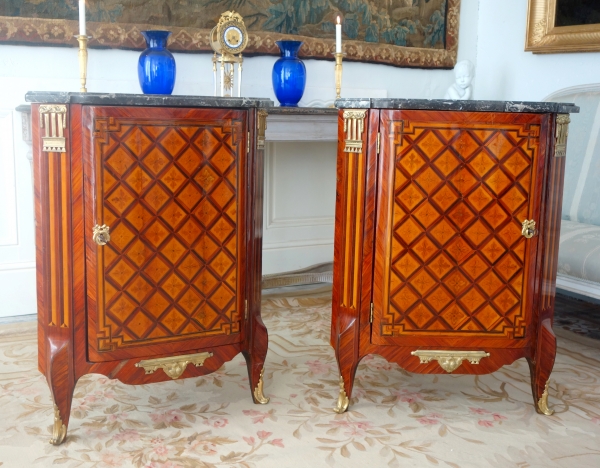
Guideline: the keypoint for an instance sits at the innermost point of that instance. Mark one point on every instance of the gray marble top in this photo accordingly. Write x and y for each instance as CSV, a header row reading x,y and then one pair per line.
x,y
449,105
114,99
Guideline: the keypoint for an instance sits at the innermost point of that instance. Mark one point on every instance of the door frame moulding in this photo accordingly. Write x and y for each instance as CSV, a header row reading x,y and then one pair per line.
x,y
272,222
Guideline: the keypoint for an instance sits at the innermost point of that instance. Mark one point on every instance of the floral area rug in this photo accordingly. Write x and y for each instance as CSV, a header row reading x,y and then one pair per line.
x,y
396,418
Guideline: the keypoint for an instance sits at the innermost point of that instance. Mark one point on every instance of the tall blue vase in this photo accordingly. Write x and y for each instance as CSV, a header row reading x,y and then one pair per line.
x,y
289,74
156,66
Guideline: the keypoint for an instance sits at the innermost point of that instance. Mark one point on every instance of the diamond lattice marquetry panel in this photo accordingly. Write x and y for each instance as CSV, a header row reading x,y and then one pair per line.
x,y
170,197
456,253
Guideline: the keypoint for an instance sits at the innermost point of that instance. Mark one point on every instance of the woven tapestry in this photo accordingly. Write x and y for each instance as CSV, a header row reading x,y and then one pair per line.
x,y
408,33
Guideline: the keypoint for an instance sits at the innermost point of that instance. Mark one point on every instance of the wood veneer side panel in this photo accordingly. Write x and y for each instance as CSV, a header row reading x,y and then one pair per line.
x,y
253,229
544,348
370,210
339,232
349,239
384,215
351,294
541,192
78,318
256,338
53,200
90,172
62,361
52,189
550,229
40,188
245,207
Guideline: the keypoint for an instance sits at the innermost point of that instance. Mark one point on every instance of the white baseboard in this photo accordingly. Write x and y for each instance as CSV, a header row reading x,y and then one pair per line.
x,y
578,286
18,319
320,273
286,258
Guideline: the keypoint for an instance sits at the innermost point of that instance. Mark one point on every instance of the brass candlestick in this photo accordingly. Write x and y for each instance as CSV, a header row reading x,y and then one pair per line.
x,y
338,74
82,61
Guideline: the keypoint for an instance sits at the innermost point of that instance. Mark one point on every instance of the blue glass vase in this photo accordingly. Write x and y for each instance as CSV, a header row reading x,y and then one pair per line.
x,y
289,74
156,66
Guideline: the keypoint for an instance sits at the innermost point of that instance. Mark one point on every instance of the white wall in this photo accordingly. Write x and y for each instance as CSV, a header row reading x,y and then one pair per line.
x,y
505,71
24,68
492,35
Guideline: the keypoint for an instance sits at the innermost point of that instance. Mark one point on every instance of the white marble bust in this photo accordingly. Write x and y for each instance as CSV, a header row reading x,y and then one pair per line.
x,y
461,89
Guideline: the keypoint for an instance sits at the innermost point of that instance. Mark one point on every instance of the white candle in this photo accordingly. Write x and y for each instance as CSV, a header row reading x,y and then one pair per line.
x,y
338,36
82,17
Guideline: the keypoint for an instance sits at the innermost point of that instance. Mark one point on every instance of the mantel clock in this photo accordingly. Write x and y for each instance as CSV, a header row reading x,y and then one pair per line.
x,y
228,38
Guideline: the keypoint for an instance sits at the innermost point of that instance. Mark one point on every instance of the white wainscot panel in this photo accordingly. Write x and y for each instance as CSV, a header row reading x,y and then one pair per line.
x,y
299,204
17,289
294,127
8,200
17,249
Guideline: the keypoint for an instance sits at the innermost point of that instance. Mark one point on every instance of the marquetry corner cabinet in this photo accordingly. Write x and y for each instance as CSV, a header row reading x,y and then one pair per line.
x,y
446,236
149,237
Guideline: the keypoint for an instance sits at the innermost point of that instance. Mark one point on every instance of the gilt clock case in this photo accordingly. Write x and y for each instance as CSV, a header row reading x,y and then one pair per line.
x,y
446,236
148,236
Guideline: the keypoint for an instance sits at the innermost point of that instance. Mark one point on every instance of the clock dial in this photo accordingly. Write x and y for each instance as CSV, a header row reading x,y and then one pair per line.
x,y
233,37
229,36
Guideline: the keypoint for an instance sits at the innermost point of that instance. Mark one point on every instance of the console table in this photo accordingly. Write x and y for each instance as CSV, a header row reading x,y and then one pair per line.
x,y
148,236
446,236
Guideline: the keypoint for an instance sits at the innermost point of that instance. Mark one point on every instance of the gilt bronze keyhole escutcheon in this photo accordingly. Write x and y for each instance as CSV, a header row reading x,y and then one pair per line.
x,y
528,229
100,234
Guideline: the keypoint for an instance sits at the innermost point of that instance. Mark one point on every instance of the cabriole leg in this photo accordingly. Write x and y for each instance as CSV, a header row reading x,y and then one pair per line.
x,y
255,356
60,377
347,362
541,367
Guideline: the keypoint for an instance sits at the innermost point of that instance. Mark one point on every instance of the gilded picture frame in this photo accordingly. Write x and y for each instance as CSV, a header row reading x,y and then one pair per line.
x,y
543,37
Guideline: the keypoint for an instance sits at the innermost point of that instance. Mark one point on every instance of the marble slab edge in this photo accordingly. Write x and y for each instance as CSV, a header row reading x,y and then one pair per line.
x,y
115,99
448,105
303,111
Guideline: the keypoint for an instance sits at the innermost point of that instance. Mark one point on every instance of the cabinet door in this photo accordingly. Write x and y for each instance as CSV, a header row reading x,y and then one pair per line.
x,y
170,185
451,264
